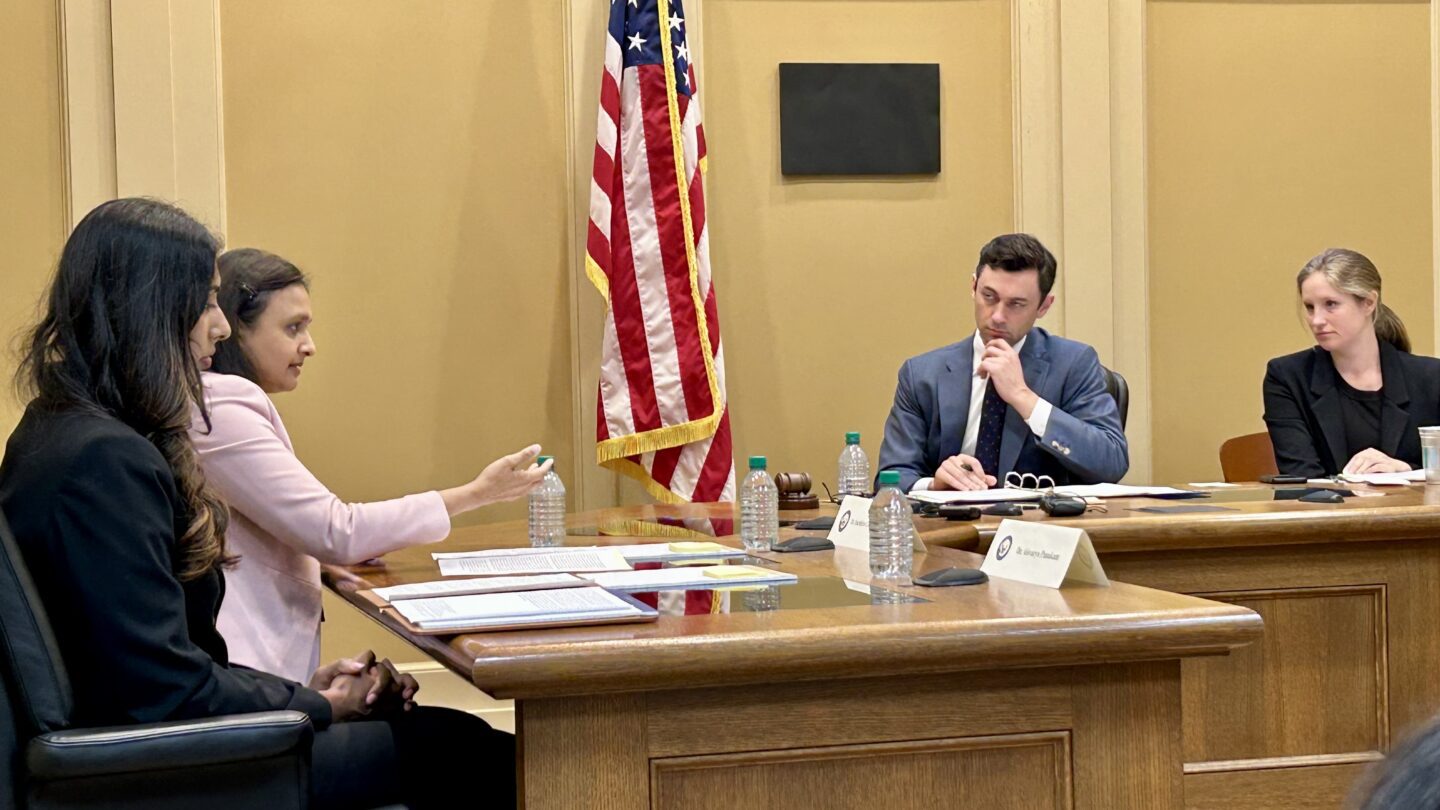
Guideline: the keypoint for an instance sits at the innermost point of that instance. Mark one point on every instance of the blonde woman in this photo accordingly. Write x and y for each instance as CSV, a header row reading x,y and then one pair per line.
x,y
1353,402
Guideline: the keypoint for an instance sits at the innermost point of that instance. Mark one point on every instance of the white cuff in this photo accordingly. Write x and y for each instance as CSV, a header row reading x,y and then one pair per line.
x,y
922,485
1040,417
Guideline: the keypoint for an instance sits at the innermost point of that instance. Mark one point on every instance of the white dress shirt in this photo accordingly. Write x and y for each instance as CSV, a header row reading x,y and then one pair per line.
x,y
1038,421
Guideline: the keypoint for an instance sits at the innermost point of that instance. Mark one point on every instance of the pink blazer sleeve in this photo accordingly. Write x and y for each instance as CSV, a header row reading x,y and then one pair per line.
x,y
246,456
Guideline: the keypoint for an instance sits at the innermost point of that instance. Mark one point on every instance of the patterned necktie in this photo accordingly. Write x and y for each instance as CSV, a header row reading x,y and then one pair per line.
x,y
992,427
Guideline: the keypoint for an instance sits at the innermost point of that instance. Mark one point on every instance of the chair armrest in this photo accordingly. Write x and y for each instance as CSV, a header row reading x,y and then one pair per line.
x,y
165,746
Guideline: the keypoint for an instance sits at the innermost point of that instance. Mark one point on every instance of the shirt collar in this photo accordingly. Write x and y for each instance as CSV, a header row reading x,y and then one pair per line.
x,y
978,351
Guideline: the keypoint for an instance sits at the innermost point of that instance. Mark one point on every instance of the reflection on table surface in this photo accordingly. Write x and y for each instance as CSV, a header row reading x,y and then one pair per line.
x,y
809,593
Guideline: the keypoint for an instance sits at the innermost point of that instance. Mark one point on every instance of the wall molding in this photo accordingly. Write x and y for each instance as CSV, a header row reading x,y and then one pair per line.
x,y
1078,76
1435,168
87,105
168,115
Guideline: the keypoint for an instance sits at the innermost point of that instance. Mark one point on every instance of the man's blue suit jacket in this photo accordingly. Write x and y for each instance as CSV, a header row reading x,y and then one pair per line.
x,y
1083,443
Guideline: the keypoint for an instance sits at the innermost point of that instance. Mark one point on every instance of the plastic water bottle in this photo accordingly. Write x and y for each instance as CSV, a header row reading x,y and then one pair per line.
x,y
759,508
854,467
891,530
547,510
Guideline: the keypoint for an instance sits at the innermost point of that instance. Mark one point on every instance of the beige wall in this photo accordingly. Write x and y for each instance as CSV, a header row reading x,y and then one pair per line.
x,y
411,158
32,177
1276,129
825,286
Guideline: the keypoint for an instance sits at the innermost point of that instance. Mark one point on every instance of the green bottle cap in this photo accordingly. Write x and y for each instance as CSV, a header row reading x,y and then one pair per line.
x,y
890,478
757,462
853,437
543,459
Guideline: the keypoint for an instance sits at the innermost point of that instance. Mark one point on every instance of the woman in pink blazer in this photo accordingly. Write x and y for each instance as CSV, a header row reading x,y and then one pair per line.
x,y
284,522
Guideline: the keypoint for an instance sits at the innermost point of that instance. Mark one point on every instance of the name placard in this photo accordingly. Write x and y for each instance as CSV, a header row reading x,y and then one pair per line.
x,y
852,524
1043,555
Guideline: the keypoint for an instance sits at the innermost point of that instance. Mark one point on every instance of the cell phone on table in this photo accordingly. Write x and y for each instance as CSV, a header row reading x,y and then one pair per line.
x,y
1283,479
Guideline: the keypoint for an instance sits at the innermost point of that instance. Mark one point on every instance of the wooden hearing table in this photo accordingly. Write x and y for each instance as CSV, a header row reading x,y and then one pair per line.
x,y
1350,661
1002,695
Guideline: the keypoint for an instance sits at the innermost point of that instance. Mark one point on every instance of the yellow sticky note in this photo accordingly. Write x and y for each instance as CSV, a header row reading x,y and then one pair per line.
x,y
733,571
694,563
696,547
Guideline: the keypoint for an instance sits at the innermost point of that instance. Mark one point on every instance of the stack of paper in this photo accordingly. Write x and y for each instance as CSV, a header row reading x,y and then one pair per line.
x,y
688,579
531,561
1397,479
975,496
461,587
1077,491
1121,491
638,553
518,609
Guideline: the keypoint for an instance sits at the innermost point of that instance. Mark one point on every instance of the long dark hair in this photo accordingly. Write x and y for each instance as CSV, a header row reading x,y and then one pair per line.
x,y
248,277
133,279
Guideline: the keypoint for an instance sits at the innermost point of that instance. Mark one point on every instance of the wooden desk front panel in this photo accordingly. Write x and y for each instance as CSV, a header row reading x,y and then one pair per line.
x,y
1078,737
1347,665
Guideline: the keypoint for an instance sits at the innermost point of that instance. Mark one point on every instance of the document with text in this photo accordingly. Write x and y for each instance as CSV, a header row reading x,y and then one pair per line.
x,y
460,587
685,579
561,561
634,553
524,607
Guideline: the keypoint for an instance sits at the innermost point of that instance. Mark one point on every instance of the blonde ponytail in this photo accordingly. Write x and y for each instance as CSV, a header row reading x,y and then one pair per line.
x,y
1389,328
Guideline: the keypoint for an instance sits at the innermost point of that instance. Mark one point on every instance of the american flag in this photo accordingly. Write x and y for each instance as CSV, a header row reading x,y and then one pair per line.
x,y
662,414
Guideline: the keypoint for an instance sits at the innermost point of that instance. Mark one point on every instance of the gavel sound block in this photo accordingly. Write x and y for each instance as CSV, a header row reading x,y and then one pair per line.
x,y
795,491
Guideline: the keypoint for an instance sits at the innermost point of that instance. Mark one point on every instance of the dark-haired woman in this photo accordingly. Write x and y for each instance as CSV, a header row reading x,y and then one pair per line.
x,y
1354,402
285,521
126,542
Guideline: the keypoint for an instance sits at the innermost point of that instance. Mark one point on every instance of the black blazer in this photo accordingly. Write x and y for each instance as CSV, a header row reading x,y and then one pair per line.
x,y
1302,409
96,514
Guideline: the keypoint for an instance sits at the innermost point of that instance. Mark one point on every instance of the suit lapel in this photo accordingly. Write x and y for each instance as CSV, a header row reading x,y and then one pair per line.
x,y
1394,416
955,398
1327,407
1035,359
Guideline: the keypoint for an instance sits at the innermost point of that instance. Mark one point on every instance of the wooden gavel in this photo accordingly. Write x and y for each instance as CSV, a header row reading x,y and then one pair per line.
x,y
795,491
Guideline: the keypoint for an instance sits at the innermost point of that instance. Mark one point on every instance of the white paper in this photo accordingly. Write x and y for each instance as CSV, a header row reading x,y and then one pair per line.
x,y
501,608
1116,491
681,579
1043,554
975,496
569,561
458,587
641,552
1398,479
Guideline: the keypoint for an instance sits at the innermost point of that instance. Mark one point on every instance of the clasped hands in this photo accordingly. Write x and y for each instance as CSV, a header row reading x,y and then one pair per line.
x,y
1001,365
361,687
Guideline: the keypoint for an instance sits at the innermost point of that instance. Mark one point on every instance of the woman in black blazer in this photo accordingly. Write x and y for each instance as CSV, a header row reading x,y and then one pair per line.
x,y
1354,402
126,542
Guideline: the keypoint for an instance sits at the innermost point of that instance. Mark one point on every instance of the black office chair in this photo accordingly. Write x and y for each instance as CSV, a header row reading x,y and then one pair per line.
x,y
1119,391
237,761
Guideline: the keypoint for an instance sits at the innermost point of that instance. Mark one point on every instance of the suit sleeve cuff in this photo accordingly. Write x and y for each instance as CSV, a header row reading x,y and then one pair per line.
x,y
1040,418
313,703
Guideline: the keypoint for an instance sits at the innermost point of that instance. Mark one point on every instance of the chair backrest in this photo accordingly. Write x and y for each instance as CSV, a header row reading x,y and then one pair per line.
x,y
10,770
1119,391
1246,458
37,686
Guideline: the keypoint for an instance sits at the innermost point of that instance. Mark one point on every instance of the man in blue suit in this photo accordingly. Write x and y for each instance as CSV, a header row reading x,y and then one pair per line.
x,y
1011,398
